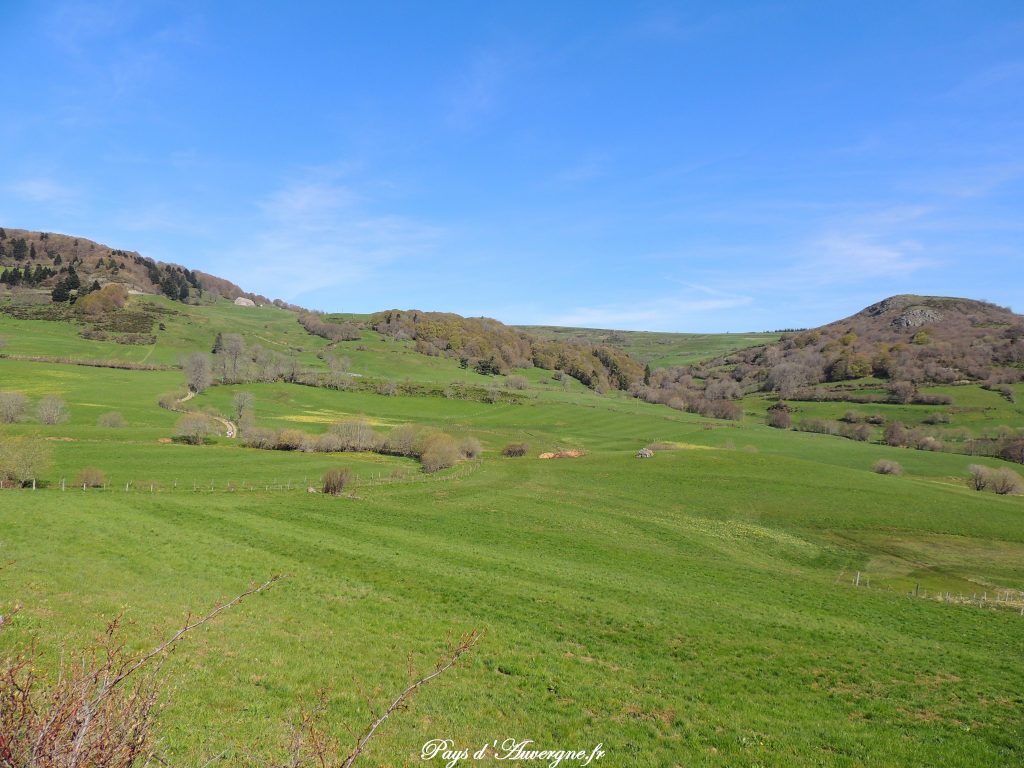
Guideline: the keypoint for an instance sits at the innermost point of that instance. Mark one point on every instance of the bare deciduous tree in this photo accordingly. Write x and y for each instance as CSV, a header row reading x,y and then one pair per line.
x,y
52,410
242,403
12,406
1005,481
234,350
198,374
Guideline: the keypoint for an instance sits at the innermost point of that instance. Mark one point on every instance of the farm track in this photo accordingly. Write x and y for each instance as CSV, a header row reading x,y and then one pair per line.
x,y
230,428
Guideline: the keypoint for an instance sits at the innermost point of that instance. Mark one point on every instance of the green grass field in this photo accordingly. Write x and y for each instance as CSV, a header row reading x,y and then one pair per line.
x,y
692,609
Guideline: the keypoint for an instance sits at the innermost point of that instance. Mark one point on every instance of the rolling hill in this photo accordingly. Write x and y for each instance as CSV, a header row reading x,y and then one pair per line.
x,y
746,595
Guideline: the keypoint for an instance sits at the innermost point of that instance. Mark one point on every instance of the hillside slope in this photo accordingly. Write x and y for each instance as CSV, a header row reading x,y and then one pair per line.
x,y
656,348
895,346
915,339
92,261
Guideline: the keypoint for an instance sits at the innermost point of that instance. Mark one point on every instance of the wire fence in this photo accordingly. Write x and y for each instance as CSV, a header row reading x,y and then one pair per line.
x,y
305,484
1005,599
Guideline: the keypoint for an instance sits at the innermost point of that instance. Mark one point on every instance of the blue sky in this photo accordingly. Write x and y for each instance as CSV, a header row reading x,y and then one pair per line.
x,y
665,166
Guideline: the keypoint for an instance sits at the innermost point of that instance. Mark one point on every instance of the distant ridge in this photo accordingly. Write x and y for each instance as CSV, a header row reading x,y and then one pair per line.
x,y
93,261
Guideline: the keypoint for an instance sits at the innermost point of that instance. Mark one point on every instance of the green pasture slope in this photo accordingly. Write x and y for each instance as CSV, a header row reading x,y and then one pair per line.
x,y
693,609
660,349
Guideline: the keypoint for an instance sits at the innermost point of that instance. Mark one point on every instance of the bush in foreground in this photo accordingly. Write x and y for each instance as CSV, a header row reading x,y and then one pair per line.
x,y
516,449
336,479
887,467
101,711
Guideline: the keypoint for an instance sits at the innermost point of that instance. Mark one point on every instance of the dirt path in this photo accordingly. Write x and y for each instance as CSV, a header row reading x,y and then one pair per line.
x,y
230,428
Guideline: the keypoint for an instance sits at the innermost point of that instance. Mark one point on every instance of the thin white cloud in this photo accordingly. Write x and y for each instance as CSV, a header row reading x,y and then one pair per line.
x,y
663,313
877,245
845,257
317,234
42,190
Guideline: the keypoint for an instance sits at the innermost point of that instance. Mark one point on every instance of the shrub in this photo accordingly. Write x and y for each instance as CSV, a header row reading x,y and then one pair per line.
x,y
318,326
22,459
1013,450
336,479
169,400
1005,481
859,432
929,443
517,382
329,442
387,388
979,476
902,391
470,448
52,410
194,428
439,451
933,400
112,420
779,418
402,441
725,409
259,437
356,435
109,297
516,449
895,434
887,467
937,418
290,440
90,477
12,406
820,426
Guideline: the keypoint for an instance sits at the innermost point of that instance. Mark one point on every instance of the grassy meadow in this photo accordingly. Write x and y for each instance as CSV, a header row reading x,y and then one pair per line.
x,y
693,609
